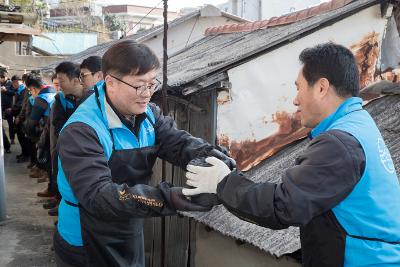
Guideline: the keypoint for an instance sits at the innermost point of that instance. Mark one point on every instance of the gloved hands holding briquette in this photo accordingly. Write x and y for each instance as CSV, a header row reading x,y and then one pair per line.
x,y
205,179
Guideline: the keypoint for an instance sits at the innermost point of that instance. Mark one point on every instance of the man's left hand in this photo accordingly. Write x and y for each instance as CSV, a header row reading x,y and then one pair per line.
x,y
205,179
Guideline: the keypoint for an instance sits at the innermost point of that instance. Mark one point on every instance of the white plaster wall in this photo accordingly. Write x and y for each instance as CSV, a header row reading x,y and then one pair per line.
x,y
181,35
250,9
18,63
265,85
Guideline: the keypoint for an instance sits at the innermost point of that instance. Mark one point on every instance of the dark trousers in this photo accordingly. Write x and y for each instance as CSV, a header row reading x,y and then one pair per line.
x,y
23,141
6,142
11,127
32,150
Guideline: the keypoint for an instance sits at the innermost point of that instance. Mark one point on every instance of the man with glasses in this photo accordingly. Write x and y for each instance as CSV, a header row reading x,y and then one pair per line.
x,y
107,150
90,72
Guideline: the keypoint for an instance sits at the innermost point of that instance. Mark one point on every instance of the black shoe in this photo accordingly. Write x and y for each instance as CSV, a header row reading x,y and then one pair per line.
x,y
22,159
19,156
30,165
50,204
8,151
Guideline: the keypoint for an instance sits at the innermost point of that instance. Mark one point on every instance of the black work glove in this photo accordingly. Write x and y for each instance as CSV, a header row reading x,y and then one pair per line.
x,y
176,200
219,152
206,200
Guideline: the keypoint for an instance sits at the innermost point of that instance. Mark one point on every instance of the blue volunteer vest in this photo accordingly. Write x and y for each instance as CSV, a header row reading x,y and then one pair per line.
x,y
65,103
102,122
21,89
372,210
47,96
31,100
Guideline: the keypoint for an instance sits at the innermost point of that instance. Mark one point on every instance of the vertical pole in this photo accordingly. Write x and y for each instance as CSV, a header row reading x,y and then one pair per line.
x,y
165,110
165,59
3,214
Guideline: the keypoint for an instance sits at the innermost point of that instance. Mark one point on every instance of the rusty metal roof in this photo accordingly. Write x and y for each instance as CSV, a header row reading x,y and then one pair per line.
x,y
386,113
278,21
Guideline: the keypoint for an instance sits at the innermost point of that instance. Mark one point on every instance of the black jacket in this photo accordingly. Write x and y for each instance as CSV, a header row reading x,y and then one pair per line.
x,y
7,96
95,182
323,176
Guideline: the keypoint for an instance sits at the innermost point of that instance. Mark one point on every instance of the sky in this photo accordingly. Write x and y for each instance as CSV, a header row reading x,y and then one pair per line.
x,y
173,5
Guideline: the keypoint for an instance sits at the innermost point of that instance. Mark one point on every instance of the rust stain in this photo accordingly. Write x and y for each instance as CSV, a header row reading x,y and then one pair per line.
x,y
390,75
366,53
250,153
223,98
223,140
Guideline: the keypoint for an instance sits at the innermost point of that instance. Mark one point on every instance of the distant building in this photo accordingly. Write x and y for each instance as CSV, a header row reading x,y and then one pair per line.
x,y
265,9
136,16
63,43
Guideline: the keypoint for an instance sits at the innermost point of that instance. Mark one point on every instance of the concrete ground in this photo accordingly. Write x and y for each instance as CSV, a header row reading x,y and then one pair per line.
x,y
26,236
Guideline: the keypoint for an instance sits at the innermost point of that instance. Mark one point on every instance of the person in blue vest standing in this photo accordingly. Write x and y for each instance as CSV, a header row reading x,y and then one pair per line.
x,y
16,110
343,191
65,103
42,98
107,150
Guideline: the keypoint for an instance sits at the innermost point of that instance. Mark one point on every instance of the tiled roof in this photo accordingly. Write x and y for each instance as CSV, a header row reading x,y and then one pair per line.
x,y
282,20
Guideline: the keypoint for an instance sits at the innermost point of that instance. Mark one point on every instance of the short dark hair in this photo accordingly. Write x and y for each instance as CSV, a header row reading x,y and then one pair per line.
x,y
92,63
70,69
53,77
34,80
335,63
2,75
15,78
129,57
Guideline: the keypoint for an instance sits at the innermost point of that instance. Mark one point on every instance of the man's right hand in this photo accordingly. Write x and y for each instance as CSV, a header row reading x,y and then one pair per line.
x,y
176,200
205,179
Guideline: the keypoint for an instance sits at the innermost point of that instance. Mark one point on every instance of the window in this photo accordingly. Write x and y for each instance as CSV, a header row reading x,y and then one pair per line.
x,y
23,48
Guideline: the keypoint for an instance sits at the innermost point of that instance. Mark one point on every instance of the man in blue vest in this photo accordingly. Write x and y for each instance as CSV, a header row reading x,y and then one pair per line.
x,y
16,110
43,98
107,150
343,191
65,103
90,72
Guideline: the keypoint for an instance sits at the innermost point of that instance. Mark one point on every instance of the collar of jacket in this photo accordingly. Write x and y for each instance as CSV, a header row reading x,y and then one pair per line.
x,y
349,105
109,116
21,88
47,89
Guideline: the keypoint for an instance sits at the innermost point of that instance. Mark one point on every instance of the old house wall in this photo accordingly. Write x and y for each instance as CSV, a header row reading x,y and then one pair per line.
x,y
216,250
179,245
257,117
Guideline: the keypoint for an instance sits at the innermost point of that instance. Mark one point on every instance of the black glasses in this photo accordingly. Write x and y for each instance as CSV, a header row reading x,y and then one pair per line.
x,y
154,87
83,75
